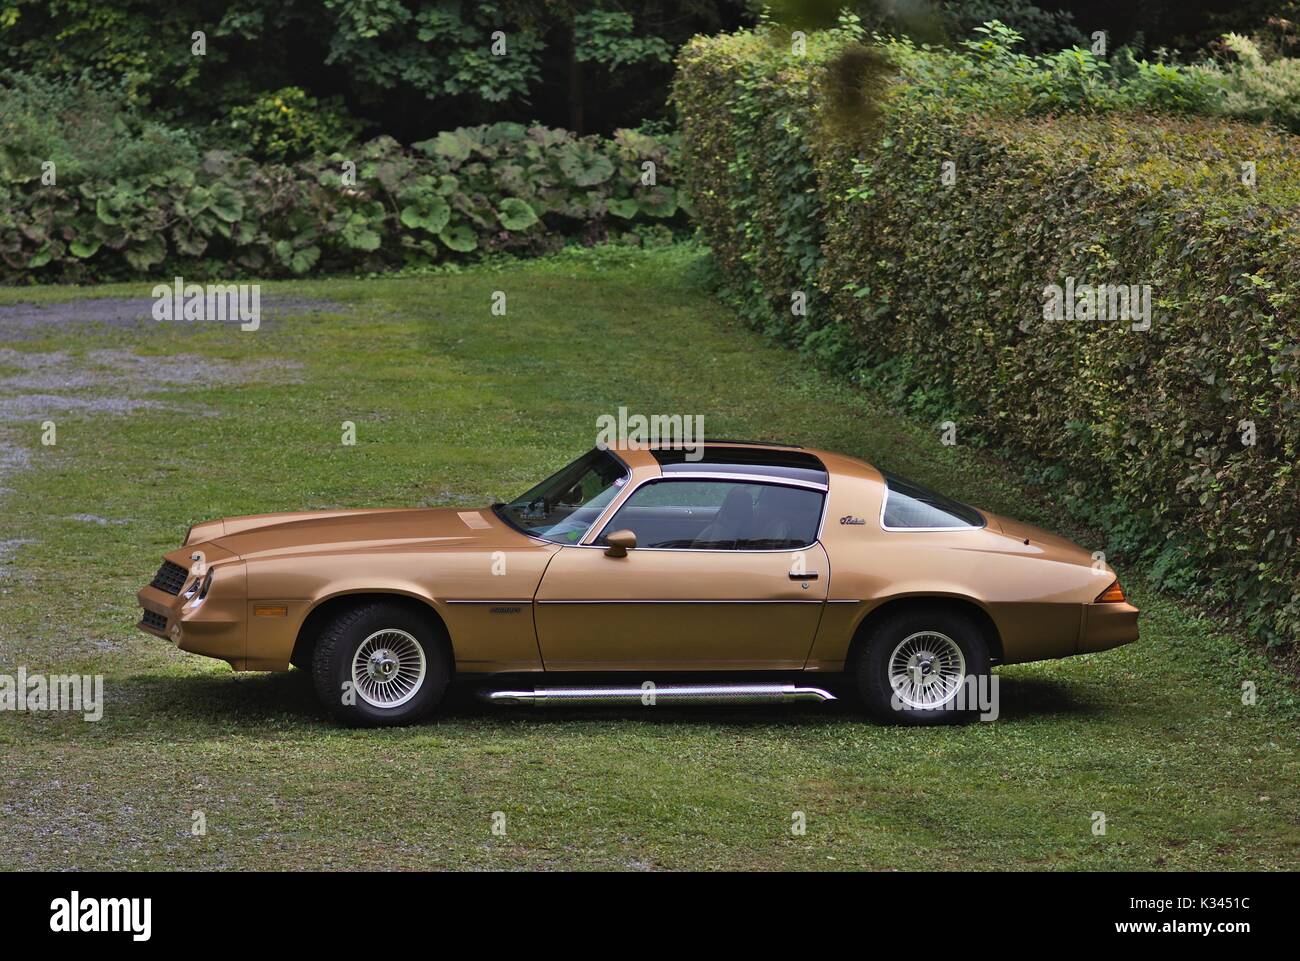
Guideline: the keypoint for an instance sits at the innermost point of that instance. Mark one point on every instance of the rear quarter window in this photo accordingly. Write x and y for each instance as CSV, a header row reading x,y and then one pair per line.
x,y
909,506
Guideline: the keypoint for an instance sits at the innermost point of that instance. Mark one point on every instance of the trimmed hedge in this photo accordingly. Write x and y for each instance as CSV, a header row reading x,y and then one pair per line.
x,y
936,293
498,188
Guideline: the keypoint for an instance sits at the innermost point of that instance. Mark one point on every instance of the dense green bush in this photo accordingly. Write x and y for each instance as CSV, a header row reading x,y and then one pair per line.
x,y
935,292
287,124
990,71
82,130
494,188
1256,87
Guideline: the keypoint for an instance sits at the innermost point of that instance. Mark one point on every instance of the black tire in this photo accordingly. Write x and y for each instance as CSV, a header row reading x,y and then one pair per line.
x,y
871,667
338,644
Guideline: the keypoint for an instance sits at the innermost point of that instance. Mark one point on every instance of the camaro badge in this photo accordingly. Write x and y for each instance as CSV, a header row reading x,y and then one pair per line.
x,y
850,519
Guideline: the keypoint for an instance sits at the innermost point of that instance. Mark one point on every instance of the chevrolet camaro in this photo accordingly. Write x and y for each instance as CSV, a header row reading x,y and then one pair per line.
x,y
724,572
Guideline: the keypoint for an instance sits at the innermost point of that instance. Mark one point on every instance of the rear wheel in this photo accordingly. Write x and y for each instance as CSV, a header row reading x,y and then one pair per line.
x,y
380,664
924,666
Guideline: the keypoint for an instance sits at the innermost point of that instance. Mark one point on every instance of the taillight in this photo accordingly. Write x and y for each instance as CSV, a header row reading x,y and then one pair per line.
x,y
1111,595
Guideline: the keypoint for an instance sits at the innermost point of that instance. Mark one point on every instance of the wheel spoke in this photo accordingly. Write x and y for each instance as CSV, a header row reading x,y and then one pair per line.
x,y
388,668
926,669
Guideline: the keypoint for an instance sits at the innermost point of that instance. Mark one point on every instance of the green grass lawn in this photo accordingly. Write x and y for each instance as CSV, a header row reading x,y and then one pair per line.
x,y
456,406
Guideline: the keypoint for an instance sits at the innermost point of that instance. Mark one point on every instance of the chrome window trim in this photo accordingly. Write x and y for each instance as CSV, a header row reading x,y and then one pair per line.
x,y
930,530
610,510
617,504
808,475
448,600
747,478
627,475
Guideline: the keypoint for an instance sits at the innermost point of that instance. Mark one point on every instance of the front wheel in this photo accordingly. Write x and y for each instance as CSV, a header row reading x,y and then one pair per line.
x,y
925,666
380,664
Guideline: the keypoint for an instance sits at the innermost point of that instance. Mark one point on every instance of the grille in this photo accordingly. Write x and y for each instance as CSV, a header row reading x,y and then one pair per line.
x,y
155,621
170,578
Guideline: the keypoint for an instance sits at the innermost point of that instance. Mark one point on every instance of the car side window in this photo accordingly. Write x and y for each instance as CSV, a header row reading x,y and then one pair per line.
x,y
719,515
909,506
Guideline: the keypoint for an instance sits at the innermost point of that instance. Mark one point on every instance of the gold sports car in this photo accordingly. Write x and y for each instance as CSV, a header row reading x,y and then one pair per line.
x,y
730,572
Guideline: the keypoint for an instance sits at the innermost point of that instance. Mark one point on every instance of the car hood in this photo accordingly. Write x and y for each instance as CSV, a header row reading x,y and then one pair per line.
x,y
359,530
1051,546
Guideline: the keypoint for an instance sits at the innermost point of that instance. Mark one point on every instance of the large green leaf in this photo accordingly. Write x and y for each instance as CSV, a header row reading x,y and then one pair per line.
x,y
426,212
361,232
226,203
107,208
515,214
361,237
460,237
658,201
622,207
299,261
451,144
189,241
583,165
304,259
144,255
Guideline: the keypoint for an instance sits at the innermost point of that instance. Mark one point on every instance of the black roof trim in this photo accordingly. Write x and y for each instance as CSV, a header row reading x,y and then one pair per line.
x,y
752,443
792,462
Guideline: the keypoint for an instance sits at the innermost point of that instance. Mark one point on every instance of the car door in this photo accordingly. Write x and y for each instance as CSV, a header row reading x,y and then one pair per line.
x,y
727,574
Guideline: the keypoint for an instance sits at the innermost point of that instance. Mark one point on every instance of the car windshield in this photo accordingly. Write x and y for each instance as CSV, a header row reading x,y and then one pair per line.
x,y
563,507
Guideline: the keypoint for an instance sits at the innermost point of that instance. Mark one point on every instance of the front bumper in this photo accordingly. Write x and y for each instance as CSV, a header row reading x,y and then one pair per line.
x,y
214,627
1107,625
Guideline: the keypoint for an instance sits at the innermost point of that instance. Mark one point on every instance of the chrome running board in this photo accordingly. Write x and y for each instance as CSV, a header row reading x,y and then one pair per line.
x,y
654,694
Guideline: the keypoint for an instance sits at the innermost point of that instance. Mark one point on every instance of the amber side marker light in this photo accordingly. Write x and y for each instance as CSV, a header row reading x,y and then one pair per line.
x,y
271,610
1111,595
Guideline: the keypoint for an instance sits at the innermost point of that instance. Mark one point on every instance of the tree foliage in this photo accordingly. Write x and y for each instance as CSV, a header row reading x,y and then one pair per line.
x,y
406,68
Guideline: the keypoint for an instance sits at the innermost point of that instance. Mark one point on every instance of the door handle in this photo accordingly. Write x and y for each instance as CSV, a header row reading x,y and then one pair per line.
x,y
805,576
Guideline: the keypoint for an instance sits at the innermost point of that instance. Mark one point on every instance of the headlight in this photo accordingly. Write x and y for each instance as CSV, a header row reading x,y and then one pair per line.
x,y
197,591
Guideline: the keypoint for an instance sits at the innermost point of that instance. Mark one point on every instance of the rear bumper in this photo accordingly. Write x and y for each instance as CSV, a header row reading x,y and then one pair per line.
x,y
1107,625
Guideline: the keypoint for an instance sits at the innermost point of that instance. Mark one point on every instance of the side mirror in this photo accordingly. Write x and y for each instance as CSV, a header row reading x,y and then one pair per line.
x,y
620,542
